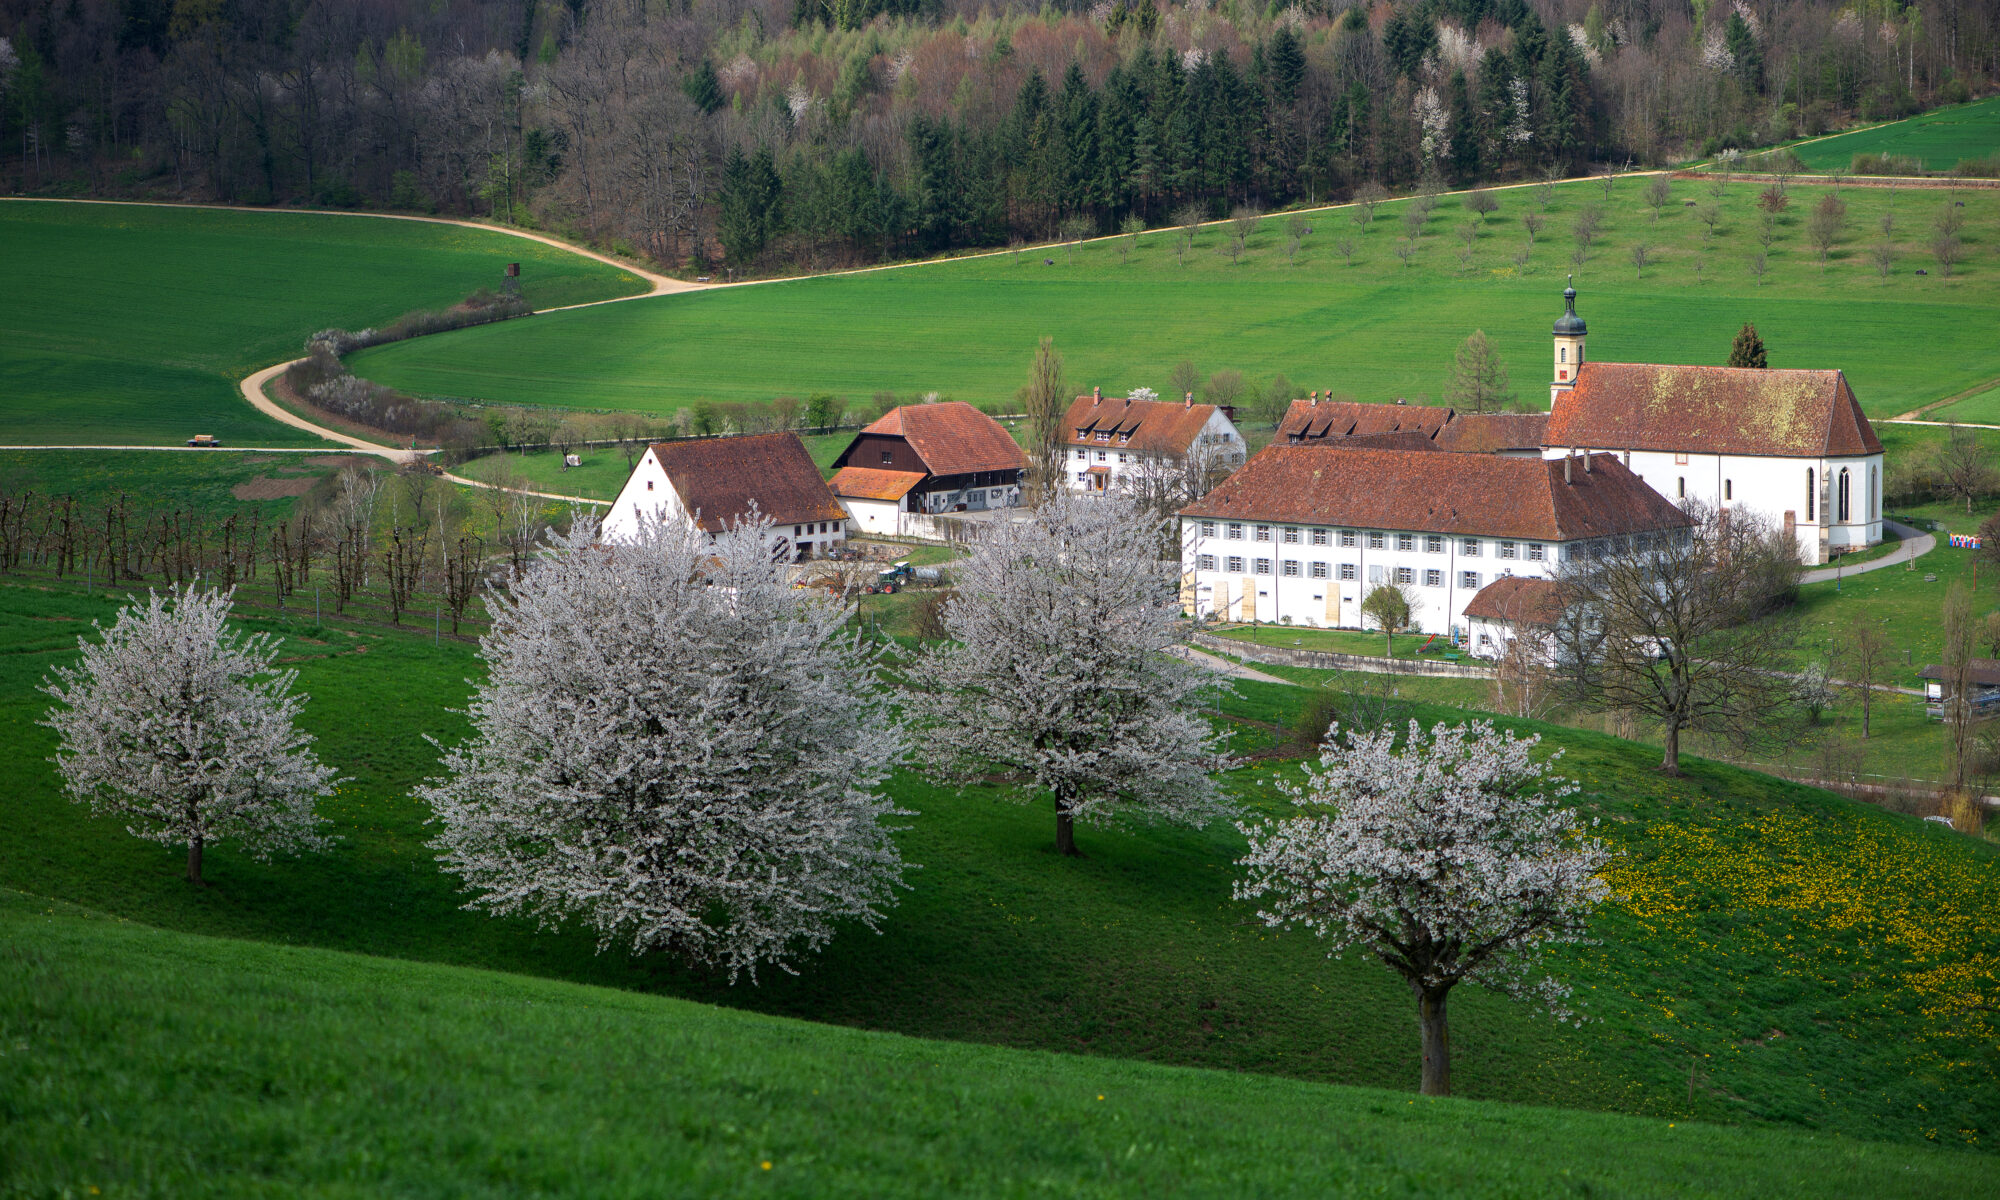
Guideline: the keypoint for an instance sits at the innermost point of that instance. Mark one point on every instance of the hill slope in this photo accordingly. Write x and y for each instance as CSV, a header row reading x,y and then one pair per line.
x,y
1124,313
147,1062
130,324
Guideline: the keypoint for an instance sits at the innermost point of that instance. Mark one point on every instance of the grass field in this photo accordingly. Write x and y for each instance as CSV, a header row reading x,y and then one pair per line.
x,y
1375,329
1137,952
144,1062
128,324
1980,408
1940,138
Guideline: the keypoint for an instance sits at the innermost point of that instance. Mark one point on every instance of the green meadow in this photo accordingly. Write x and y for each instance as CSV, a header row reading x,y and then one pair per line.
x,y
1124,311
1780,957
131,324
212,1067
1939,138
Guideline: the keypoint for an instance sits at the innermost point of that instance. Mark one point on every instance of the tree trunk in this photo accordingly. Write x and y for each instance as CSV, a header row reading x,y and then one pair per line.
x,y
1670,762
1437,1039
1066,834
194,862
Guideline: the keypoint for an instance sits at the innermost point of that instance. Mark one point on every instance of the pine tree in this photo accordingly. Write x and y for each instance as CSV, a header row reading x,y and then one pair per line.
x,y
1748,349
1478,381
704,87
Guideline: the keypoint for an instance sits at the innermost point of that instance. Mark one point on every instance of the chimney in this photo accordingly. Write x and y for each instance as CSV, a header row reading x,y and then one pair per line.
x,y
1628,458
1586,462
1096,396
1188,400
1568,458
1315,399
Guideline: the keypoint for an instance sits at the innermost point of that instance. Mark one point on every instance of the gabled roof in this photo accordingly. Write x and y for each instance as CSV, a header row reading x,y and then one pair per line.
x,y
1309,419
719,479
1520,599
1155,426
1321,483
872,483
952,437
1711,410
1492,433
1982,671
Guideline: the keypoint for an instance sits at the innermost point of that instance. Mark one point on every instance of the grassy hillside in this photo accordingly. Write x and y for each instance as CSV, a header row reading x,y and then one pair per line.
x,y
1376,329
143,1062
1720,961
131,324
1940,138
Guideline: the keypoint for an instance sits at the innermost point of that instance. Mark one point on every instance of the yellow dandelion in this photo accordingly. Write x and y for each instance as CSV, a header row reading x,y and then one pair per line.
x,y
766,1164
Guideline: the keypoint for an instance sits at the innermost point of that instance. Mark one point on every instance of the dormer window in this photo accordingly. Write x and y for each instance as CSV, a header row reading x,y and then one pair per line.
x,y
888,457
1103,435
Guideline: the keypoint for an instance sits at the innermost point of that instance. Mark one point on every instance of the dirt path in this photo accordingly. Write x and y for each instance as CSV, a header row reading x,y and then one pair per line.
x,y
1915,416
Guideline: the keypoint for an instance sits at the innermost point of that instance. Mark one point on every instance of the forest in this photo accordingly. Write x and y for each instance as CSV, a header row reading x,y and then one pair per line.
x,y
768,135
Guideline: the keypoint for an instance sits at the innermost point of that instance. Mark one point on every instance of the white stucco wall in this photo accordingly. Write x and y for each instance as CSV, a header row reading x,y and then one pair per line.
x,y
1328,600
1218,436
1771,487
647,492
872,516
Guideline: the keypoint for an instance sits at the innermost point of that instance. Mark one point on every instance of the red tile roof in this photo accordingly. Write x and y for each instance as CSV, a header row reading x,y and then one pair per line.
x,y
1711,410
1491,433
721,478
1344,418
953,438
871,483
1154,426
1321,483
1519,599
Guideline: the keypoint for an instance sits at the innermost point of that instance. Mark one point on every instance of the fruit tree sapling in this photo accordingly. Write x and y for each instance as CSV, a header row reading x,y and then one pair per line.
x,y
178,723
1451,861
678,750
1061,675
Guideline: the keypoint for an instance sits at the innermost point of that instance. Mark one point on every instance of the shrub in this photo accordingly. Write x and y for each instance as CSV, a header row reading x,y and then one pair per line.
x,y
1887,164
1978,168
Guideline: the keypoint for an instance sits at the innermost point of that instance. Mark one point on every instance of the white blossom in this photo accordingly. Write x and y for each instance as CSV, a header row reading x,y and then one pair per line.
x,y
1749,18
1715,53
181,725
1436,124
678,750
1450,860
738,73
1458,49
1519,128
799,100
1579,37
1059,671
1848,25
1192,58
1143,394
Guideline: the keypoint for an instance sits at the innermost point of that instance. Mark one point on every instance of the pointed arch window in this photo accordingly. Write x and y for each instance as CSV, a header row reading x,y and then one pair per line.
x,y
1844,510
1812,495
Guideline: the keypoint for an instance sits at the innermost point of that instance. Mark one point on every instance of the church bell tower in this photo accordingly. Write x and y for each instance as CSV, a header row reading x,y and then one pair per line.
x,y
1569,333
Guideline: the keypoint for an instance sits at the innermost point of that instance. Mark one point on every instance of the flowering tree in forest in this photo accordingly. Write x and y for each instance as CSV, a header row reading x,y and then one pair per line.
x,y
179,724
1060,671
1450,860
677,749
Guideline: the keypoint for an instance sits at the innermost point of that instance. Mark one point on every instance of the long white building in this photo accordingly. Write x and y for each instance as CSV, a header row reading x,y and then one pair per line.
x,y
1303,533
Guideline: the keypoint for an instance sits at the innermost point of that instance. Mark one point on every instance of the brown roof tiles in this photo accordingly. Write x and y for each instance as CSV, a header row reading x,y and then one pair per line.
x,y
1311,419
1492,433
1321,483
872,483
1711,410
1520,599
1151,426
953,438
721,479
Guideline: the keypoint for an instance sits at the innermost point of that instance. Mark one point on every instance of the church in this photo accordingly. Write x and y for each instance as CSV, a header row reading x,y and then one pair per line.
x,y
1791,446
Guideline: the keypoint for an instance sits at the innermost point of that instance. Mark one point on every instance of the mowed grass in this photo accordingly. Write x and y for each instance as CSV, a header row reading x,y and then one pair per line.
x,y
131,324
1137,950
145,1062
1123,315
1940,138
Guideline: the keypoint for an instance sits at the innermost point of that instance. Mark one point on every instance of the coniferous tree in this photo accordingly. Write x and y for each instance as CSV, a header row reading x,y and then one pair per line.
x,y
704,87
1748,349
1478,381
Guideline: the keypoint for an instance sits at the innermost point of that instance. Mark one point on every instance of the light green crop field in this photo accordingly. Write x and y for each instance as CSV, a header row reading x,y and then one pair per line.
x,y
1123,315
131,324
1810,962
1980,408
146,1062
1940,138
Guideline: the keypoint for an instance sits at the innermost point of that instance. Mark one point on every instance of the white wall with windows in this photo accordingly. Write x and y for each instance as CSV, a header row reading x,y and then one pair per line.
x,y
1318,576
1107,462
1835,504
649,493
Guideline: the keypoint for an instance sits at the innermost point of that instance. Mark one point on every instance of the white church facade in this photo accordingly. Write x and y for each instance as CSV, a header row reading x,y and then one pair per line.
x,y
1791,446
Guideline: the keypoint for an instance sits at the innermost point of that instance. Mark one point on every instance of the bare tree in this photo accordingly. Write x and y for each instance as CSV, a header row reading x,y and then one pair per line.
x,y
1480,203
1478,381
1451,861
1965,466
1823,227
1884,256
1129,230
1960,640
1948,250
1223,388
1405,250
1184,378
1680,628
1346,246
1187,219
1243,225
1659,190
1059,674
1862,656
184,728
1760,264
1366,199
1532,222
1045,399
1641,252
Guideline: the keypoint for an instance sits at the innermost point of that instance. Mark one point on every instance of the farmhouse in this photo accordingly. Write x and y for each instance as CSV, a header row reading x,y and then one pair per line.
x,y
1790,446
1512,607
1303,533
1129,443
927,459
1411,427
711,483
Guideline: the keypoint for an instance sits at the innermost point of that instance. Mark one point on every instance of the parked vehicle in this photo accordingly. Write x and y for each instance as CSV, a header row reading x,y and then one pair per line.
x,y
204,441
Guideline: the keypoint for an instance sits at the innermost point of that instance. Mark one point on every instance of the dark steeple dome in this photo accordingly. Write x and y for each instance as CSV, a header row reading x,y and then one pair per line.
x,y
1569,324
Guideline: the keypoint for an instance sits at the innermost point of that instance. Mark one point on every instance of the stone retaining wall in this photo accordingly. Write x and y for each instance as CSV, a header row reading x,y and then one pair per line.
x,y
1328,660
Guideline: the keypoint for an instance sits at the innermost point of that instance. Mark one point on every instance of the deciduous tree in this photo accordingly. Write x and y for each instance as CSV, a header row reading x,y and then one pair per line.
x,y
1478,381
183,727
1451,860
1060,675
676,749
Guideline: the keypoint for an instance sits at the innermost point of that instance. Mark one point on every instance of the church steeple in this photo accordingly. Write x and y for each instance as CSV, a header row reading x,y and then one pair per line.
x,y
1569,334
